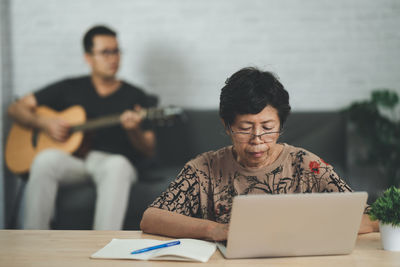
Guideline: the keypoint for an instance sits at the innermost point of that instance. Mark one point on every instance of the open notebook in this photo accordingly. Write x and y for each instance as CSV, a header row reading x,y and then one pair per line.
x,y
187,250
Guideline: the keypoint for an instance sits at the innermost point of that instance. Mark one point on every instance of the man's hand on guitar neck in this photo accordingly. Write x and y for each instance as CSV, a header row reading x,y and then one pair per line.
x,y
131,119
143,141
56,128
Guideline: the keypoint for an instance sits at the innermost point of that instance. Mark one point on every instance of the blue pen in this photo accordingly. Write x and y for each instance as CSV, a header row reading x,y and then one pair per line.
x,y
173,243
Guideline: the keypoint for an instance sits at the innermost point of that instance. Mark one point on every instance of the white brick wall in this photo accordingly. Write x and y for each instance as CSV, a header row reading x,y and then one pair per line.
x,y
5,98
2,206
327,53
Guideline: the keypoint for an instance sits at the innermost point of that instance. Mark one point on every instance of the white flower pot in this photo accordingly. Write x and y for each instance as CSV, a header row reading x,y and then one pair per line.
x,y
390,237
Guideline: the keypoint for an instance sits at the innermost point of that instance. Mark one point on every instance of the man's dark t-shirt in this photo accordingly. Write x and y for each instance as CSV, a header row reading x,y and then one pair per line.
x,y
80,91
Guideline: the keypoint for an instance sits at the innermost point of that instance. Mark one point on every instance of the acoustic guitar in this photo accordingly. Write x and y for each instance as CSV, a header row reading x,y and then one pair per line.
x,y
24,143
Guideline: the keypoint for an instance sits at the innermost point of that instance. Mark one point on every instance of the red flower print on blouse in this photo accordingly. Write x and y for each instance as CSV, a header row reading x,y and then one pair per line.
x,y
314,167
327,164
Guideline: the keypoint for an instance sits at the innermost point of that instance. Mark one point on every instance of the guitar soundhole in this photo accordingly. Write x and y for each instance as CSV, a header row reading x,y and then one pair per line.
x,y
34,140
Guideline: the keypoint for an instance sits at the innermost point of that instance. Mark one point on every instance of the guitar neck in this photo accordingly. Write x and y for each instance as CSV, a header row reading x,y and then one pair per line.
x,y
155,115
93,124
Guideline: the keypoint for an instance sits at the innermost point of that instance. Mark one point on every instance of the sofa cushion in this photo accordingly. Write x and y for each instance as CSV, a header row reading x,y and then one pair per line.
x,y
322,133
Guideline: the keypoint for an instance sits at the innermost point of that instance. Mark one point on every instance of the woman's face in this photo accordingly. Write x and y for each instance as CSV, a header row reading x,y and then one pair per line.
x,y
254,136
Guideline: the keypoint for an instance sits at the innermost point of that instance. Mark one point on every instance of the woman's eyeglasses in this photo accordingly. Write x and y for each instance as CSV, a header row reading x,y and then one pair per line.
x,y
244,137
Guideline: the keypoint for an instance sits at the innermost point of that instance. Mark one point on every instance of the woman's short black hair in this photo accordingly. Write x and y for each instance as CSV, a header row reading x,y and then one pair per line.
x,y
92,32
249,91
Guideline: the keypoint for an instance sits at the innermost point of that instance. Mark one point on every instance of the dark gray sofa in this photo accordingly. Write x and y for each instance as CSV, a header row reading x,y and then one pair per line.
x,y
324,133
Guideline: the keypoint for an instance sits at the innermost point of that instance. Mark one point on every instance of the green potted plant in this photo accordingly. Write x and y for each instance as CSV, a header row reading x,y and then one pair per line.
x,y
377,122
386,209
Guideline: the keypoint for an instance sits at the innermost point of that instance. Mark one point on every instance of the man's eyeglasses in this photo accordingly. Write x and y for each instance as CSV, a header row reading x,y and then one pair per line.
x,y
244,137
108,52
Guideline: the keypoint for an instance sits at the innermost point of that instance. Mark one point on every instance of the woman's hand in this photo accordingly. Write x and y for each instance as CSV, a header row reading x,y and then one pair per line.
x,y
162,222
368,226
218,231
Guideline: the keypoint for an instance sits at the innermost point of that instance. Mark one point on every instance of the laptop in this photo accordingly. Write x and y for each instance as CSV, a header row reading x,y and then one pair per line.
x,y
293,225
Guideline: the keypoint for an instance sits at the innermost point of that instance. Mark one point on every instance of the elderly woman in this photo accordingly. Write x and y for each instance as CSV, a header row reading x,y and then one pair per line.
x,y
253,108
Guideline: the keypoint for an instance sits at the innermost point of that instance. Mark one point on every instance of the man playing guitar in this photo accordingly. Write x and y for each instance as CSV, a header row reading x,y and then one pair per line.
x,y
115,150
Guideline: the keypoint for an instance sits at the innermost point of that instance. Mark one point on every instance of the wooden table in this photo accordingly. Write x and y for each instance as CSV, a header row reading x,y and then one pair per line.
x,y
73,249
